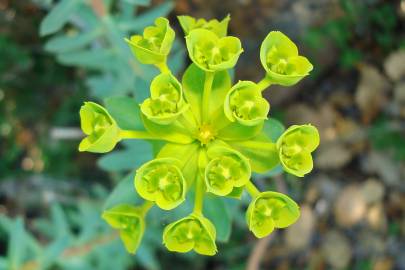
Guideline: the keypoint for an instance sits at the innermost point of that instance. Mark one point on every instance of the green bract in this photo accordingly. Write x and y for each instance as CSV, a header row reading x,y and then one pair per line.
x,y
211,135
245,104
280,59
212,53
271,210
295,147
226,170
220,28
101,130
166,102
129,221
155,44
192,232
161,181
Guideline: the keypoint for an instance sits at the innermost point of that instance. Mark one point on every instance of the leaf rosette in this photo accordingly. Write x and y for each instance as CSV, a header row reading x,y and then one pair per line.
x,y
295,146
244,103
212,53
279,57
166,100
129,221
271,210
162,182
155,44
101,129
227,169
220,28
194,232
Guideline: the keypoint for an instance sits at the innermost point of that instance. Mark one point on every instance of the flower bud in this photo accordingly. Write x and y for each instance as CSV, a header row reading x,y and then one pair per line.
x,y
166,102
227,169
101,129
280,59
271,210
129,221
244,103
220,28
192,232
161,181
155,44
212,53
295,146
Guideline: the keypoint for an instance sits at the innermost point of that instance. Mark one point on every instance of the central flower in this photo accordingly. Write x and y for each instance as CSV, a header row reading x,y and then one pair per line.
x,y
206,134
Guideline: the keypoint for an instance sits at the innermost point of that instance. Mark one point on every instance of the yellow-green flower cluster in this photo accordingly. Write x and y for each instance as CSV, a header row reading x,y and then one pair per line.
x,y
212,131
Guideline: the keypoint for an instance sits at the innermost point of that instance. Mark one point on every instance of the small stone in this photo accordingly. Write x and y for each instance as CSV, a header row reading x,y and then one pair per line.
x,y
299,235
384,166
336,249
371,92
350,206
376,217
394,65
383,264
333,156
373,191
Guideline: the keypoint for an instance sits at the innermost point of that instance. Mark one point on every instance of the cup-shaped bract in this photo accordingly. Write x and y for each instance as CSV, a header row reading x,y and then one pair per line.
x,y
220,28
101,129
155,44
161,181
245,104
295,146
279,57
226,170
212,53
192,232
166,102
271,210
129,221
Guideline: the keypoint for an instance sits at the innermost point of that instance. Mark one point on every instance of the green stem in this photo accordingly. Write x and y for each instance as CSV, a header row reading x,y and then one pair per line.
x,y
209,78
137,134
264,83
252,189
199,195
163,67
146,206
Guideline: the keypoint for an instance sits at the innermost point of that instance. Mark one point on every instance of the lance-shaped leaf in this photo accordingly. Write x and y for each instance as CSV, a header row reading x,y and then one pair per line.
x,y
192,232
161,181
212,53
220,28
129,221
166,103
155,44
271,210
101,129
295,147
226,170
244,103
280,59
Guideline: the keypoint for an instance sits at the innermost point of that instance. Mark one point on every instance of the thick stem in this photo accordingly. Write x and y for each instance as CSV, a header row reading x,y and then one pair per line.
x,y
209,78
264,83
252,189
137,134
163,67
199,195
146,206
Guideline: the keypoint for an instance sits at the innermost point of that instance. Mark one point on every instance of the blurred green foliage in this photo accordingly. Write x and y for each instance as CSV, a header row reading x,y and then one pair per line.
x,y
355,33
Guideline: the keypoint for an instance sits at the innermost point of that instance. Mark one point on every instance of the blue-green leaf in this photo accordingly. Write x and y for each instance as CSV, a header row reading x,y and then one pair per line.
x,y
66,43
124,192
17,244
137,153
125,111
273,128
216,211
94,59
58,16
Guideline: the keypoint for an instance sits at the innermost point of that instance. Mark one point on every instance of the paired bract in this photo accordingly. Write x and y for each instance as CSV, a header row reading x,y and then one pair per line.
x,y
214,133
